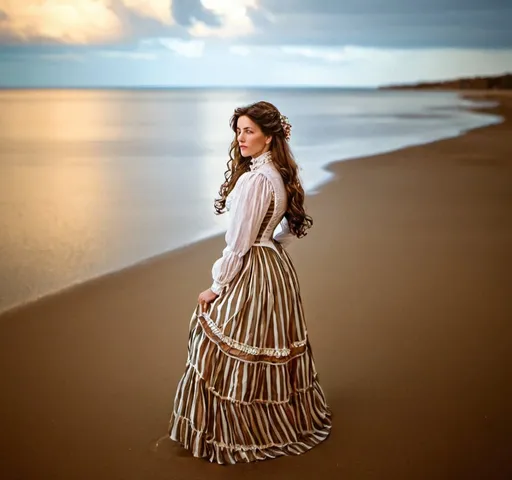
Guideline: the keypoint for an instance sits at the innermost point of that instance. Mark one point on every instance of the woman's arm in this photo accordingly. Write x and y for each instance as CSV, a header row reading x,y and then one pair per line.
x,y
254,194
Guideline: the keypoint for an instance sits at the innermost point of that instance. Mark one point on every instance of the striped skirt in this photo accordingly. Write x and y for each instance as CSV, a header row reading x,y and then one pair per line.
x,y
250,390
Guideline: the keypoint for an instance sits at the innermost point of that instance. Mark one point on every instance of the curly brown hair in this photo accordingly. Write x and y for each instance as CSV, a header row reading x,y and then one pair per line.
x,y
268,118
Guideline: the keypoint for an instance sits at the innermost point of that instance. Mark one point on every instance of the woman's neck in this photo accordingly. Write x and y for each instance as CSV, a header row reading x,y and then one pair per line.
x,y
258,161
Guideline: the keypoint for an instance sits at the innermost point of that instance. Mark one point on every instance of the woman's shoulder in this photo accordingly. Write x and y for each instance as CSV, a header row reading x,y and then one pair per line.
x,y
272,175
252,177
254,182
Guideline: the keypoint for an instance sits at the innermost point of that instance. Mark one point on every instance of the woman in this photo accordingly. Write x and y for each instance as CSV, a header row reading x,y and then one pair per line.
x,y
250,390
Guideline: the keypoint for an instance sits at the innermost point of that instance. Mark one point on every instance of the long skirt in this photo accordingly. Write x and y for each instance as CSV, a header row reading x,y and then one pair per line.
x,y
250,390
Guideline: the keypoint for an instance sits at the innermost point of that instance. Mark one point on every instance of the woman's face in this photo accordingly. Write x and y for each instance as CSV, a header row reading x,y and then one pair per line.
x,y
251,140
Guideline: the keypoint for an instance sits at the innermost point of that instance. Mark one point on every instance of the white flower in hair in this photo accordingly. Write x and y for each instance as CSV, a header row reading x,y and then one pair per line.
x,y
287,127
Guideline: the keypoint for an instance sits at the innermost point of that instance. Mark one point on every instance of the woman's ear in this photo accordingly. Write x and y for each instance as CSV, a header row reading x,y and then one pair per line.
x,y
268,140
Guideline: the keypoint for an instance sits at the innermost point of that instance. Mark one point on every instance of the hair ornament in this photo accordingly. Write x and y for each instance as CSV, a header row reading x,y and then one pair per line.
x,y
287,127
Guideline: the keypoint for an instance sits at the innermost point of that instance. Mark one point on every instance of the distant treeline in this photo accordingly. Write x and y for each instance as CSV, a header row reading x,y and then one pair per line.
x,y
499,82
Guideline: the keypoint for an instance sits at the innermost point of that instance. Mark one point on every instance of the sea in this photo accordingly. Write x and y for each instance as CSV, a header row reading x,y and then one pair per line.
x,y
94,181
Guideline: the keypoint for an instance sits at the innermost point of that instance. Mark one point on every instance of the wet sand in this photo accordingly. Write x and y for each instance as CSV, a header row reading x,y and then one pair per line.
x,y
407,285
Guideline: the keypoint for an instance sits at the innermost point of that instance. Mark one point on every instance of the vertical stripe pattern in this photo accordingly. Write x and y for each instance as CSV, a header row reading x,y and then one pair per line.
x,y
250,390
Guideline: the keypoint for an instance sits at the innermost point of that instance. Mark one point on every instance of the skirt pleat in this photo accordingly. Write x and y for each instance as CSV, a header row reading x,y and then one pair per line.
x,y
250,390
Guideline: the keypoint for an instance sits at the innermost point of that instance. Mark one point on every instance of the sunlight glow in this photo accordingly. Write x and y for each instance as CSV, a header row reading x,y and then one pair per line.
x,y
157,9
74,21
233,15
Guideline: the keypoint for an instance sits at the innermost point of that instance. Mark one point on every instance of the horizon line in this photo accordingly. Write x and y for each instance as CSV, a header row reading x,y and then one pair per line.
x,y
181,87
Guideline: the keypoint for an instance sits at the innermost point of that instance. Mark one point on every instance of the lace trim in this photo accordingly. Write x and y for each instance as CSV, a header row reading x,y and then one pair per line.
x,y
249,349
261,160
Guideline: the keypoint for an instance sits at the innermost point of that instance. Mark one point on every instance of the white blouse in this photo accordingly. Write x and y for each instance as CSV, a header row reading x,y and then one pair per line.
x,y
248,204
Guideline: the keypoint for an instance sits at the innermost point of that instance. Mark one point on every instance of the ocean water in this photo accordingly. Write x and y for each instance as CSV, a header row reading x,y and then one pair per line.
x,y
92,181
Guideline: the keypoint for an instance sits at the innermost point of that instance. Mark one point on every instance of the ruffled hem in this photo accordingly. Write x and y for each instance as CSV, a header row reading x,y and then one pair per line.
x,y
227,432
201,445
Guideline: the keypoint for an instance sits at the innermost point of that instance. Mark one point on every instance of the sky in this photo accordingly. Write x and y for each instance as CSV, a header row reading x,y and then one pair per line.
x,y
160,43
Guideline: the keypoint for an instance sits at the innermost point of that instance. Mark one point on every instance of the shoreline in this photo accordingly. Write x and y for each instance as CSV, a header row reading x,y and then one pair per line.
x,y
329,167
405,283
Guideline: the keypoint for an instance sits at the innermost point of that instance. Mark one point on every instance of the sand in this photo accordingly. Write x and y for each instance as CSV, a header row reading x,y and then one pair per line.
x,y
406,280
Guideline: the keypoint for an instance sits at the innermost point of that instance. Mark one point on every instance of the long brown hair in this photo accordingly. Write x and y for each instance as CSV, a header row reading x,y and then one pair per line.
x,y
268,118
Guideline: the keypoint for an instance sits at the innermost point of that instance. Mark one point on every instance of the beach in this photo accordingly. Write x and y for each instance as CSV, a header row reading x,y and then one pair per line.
x,y
405,278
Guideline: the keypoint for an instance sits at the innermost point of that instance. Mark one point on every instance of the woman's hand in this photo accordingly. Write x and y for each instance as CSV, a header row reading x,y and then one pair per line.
x,y
205,298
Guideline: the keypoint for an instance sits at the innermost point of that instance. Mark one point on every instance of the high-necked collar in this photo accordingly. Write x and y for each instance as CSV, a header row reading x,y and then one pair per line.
x,y
260,160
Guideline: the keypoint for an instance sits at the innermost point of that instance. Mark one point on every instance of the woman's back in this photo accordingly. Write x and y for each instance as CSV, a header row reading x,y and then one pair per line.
x,y
278,200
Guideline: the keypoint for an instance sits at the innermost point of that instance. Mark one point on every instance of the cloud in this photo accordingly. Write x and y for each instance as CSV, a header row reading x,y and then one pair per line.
x,y
319,56
264,66
232,18
327,54
128,55
366,7
96,22
58,20
76,21
156,9
369,23
62,57
393,24
187,12
190,49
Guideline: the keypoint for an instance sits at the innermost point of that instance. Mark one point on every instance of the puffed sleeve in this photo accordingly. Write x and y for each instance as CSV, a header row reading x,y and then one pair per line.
x,y
248,209
284,236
